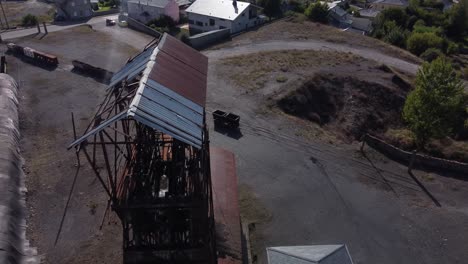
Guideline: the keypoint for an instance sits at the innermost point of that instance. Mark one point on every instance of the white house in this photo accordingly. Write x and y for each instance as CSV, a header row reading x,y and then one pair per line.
x,y
146,10
208,15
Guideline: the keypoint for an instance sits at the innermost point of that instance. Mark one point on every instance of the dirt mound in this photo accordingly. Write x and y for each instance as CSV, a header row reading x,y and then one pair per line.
x,y
346,104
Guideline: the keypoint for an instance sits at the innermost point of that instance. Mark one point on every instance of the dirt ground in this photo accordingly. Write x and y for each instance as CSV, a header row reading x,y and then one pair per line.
x,y
16,10
345,94
47,99
299,29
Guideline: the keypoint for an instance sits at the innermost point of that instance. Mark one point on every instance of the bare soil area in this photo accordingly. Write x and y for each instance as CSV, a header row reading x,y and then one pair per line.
x,y
345,94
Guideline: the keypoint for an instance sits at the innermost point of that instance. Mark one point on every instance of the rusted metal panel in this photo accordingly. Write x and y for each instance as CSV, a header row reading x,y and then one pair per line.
x,y
181,69
226,205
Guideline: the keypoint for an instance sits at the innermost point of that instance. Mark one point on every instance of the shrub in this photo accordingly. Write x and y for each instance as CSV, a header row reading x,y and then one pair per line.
x,y
394,14
296,6
396,36
317,12
419,23
417,43
162,22
452,48
423,29
431,54
434,108
29,20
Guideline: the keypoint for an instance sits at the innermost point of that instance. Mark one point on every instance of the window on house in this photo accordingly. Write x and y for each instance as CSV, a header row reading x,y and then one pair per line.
x,y
191,22
212,22
199,23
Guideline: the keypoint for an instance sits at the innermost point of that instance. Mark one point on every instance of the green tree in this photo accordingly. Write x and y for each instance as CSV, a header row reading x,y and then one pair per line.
x,y
418,43
271,8
317,12
457,21
434,108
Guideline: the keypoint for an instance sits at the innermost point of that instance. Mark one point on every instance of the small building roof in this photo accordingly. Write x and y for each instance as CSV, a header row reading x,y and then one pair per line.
x,y
391,2
223,9
155,3
369,12
363,24
325,254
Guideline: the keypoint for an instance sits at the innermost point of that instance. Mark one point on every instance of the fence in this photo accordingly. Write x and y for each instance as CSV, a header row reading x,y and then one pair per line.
x,y
206,39
133,24
419,159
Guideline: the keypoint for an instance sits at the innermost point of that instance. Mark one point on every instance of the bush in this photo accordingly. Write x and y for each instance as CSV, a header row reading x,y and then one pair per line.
x,y
317,12
452,48
423,29
396,36
29,20
417,43
394,14
431,54
419,23
296,6
162,22
434,108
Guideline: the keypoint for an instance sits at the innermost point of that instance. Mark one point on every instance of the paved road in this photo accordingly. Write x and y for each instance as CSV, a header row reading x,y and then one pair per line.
x,y
312,45
52,28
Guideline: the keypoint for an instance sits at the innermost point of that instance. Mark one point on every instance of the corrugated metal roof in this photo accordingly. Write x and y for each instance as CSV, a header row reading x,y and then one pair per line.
x,y
161,110
179,77
132,68
218,8
171,94
100,127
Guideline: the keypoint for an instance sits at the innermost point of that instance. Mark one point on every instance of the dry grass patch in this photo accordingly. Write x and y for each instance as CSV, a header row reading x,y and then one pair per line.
x,y
253,71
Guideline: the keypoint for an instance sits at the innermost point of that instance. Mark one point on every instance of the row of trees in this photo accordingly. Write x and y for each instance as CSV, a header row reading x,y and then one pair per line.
x,y
424,28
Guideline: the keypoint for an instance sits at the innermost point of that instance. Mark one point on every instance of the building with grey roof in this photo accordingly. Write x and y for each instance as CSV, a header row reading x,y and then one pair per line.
x,y
73,9
320,254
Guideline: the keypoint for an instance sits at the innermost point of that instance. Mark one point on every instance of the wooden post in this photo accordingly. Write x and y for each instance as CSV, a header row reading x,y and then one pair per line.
x,y
363,142
2,64
413,157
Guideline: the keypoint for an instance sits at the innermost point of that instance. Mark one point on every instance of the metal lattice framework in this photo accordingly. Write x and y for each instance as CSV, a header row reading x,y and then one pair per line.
x,y
148,146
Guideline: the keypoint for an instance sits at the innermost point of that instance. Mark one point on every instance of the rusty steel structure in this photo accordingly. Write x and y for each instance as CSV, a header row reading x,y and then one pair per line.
x,y
148,147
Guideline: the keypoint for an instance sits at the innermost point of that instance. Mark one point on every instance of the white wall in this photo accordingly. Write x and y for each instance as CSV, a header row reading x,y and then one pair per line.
x,y
135,11
241,23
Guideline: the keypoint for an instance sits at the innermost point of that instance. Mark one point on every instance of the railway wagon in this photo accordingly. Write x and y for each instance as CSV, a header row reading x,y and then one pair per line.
x,y
35,55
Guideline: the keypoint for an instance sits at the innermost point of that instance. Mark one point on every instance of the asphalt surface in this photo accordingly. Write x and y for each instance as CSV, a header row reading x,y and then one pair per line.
x,y
54,28
315,192
319,193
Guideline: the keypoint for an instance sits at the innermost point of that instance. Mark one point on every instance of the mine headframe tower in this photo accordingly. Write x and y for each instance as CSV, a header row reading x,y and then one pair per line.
x,y
148,146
